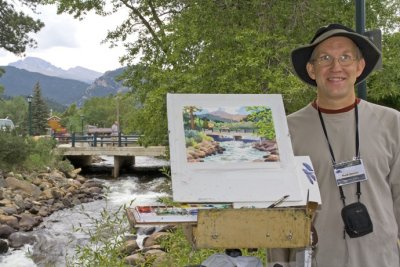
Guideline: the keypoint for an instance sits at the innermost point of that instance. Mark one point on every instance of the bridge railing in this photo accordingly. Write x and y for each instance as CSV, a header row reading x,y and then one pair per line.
x,y
98,140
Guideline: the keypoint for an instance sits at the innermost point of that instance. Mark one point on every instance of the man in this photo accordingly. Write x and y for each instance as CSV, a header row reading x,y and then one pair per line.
x,y
115,128
114,132
354,146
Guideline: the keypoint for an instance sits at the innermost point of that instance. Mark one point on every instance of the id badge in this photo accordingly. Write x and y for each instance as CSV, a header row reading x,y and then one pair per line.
x,y
349,172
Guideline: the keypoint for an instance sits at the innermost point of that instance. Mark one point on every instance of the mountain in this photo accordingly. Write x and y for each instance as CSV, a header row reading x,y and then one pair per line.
x,y
106,85
21,82
34,64
227,117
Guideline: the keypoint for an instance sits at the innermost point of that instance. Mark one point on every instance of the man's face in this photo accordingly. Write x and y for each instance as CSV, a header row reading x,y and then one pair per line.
x,y
335,81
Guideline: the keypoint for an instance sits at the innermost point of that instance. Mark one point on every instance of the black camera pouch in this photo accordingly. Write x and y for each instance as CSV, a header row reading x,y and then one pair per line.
x,y
357,221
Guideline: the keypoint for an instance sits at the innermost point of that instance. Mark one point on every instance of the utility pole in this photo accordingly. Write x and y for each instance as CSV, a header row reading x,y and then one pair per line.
x,y
360,28
82,118
29,98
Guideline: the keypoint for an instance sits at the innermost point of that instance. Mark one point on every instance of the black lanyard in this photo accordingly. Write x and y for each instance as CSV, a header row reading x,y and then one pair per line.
x,y
342,197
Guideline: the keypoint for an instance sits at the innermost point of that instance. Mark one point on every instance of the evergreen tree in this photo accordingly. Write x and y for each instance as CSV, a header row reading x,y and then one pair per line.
x,y
40,112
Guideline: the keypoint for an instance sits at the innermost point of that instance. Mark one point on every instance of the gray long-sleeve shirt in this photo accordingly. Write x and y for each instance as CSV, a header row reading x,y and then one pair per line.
x,y
379,132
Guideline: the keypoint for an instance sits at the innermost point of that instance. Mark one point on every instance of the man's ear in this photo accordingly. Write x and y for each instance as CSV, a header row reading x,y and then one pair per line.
x,y
360,66
311,71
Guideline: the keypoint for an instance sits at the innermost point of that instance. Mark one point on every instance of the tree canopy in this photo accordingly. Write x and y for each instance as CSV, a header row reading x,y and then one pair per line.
x,y
230,46
15,26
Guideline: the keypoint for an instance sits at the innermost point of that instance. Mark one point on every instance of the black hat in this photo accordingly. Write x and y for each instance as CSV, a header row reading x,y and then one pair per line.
x,y
301,55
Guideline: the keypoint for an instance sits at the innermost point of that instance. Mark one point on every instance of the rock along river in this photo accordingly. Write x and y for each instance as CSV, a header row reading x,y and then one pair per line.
x,y
56,239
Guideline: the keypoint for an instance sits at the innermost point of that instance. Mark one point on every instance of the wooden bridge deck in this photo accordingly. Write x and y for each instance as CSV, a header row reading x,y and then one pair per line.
x,y
151,151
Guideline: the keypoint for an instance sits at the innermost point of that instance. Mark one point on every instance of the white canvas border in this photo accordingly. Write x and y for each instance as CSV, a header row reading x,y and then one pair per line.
x,y
230,182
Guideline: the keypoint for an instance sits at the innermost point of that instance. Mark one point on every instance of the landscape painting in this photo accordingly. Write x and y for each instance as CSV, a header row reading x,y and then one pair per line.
x,y
229,134
230,148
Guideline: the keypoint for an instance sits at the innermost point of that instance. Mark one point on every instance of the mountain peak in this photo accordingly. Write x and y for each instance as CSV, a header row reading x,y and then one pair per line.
x,y
34,64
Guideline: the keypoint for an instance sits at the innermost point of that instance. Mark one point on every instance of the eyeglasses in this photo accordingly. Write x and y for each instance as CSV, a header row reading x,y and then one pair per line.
x,y
327,60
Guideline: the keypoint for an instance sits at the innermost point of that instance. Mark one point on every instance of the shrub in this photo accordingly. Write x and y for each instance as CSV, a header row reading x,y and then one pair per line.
x,y
40,154
105,240
20,152
14,150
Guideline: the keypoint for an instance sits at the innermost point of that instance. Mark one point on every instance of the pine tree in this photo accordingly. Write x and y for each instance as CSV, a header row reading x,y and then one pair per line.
x,y
40,112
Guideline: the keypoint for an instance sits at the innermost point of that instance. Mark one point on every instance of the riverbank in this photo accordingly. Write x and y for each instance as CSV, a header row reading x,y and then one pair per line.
x,y
26,199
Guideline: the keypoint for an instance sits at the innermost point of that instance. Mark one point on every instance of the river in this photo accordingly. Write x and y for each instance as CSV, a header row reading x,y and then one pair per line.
x,y
237,151
56,238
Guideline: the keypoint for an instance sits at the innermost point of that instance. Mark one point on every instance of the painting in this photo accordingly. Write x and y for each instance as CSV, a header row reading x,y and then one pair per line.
x,y
229,134
230,148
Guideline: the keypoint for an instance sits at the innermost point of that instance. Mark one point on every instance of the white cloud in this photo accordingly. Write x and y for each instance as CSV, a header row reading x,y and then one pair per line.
x,y
67,42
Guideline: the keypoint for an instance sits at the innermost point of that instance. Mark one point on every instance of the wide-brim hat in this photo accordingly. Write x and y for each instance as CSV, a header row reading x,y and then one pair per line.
x,y
301,56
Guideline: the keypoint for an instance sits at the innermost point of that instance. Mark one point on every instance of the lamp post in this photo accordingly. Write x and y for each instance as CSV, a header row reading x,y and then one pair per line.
x,y
82,118
29,98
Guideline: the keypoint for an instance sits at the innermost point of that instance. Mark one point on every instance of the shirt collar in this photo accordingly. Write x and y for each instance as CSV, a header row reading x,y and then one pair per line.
x,y
335,111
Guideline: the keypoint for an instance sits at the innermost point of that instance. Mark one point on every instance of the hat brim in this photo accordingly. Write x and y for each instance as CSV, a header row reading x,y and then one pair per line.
x,y
301,55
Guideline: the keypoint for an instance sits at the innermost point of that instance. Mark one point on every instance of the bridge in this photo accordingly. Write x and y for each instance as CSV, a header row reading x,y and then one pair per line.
x,y
79,150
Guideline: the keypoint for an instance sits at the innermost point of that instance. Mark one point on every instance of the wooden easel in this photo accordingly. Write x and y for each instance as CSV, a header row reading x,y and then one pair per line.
x,y
261,228
253,228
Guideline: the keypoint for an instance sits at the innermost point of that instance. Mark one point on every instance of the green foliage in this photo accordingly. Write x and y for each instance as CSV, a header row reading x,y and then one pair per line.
x,y
40,112
41,154
64,166
237,47
14,150
16,109
101,112
24,153
107,235
389,77
262,118
180,252
105,240
15,27
192,137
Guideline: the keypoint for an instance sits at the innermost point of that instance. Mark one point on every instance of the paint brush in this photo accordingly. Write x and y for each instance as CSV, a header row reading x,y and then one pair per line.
x,y
279,201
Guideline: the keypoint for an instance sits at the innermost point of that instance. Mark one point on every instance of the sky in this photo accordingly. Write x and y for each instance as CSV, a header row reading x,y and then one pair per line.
x,y
66,42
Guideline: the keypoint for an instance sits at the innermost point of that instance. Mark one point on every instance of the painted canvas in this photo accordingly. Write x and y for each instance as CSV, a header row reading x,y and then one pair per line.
x,y
229,134
230,148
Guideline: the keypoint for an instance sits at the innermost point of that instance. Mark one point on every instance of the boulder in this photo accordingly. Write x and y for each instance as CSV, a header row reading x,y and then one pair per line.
x,y
22,185
159,255
154,239
94,190
8,210
6,230
81,179
74,173
19,201
129,247
5,203
44,211
18,239
135,260
47,194
9,220
92,183
28,221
